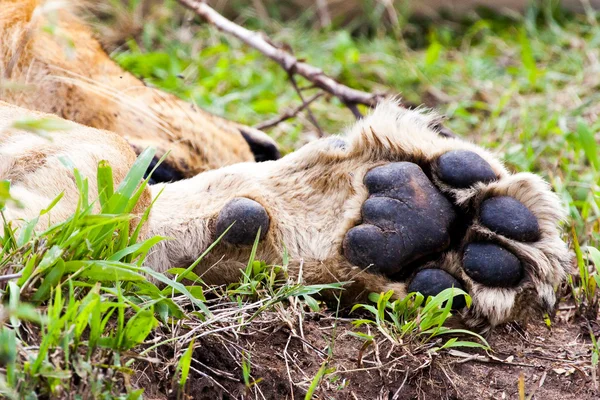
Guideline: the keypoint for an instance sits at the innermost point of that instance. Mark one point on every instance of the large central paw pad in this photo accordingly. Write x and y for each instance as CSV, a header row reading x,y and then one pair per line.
x,y
404,219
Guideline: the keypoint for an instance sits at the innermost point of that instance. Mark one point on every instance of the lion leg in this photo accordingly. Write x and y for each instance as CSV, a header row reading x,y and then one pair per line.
x,y
392,204
36,166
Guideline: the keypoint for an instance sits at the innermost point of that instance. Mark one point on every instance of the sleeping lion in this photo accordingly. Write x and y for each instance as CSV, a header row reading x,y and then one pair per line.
x,y
388,205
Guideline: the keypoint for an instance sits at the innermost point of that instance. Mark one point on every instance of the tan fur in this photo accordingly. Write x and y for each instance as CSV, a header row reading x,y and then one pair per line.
x,y
313,196
50,62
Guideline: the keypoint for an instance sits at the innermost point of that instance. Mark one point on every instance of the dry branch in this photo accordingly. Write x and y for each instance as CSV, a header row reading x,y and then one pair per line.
x,y
311,116
350,97
288,114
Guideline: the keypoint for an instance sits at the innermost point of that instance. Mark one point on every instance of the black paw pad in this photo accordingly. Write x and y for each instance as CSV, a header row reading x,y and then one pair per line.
x,y
492,265
463,169
165,172
248,216
509,217
430,282
405,218
369,246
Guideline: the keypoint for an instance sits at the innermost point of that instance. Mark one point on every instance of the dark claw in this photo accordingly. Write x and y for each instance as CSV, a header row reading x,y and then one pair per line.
x,y
164,172
492,265
430,282
463,169
509,217
263,150
248,216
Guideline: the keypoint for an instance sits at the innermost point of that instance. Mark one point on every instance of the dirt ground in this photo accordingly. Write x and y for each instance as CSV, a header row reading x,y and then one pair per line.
x,y
533,362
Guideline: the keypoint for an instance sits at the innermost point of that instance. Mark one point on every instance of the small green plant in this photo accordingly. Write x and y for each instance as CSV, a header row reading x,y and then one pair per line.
x,y
585,292
183,366
249,382
272,284
414,319
314,384
4,193
42,126
257,276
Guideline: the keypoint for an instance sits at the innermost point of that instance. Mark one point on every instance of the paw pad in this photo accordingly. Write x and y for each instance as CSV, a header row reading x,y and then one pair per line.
x,y
462,169
509,217
473,225
430,282
492,265
247,216
404,218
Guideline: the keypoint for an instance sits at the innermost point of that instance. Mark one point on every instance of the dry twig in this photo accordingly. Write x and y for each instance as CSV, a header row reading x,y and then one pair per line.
x,y
311,116
350,97
288,114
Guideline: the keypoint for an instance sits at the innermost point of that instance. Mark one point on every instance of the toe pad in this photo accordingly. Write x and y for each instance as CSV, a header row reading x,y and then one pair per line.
x,y
430,282
509,217
247,216
492,265
463,169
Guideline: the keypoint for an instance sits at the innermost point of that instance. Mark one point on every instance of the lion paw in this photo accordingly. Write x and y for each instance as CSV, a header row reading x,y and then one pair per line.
x,y
452,216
